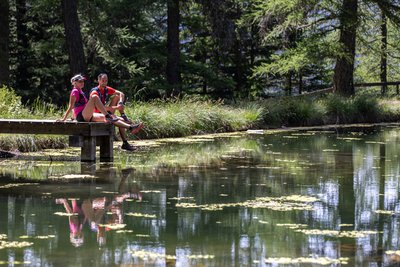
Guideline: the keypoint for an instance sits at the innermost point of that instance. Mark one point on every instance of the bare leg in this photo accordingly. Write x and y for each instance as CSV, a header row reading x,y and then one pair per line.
x,y
122,133
122,124
94,102
114,102
97,117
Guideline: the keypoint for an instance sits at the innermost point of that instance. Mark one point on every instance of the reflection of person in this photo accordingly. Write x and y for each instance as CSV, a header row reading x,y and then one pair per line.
x,y
76,221
116,206
117,99
94,211
101,213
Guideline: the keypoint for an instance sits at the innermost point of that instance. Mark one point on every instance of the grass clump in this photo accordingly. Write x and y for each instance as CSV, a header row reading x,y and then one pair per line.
x,y
355,109
177,118
31,143
390,109
330,109
288,111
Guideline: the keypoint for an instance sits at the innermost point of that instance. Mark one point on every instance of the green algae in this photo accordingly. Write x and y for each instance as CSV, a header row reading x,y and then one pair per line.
x,y
143,215
286,203
307,260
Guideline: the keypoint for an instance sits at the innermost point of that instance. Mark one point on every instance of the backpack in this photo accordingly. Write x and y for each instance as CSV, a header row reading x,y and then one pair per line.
x,y
82,100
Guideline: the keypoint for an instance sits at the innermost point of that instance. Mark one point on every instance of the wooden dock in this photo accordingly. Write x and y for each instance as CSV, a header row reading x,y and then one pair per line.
x,y
86,135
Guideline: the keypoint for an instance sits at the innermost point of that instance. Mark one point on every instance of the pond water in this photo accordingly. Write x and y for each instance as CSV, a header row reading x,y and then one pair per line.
x,y
302,198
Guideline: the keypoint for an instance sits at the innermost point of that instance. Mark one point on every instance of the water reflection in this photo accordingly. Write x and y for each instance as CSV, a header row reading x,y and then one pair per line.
x,y
125,216
100,213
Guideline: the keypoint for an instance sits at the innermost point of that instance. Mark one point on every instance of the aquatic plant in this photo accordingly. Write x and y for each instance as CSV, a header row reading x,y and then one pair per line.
x,y
310,260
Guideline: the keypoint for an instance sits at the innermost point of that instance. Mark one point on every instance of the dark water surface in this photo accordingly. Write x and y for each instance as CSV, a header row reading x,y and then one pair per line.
x,y
299,198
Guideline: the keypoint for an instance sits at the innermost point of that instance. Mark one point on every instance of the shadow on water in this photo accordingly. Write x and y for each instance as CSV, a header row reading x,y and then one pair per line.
x,y
305,197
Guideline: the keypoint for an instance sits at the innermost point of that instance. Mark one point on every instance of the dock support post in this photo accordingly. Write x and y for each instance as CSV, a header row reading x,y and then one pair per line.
x,y
88,150
106,148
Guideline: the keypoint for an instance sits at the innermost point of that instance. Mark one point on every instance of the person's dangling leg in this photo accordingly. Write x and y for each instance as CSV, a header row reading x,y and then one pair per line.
x,y
125,144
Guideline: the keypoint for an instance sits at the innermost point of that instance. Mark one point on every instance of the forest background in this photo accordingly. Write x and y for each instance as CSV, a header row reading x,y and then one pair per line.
x,y
216,49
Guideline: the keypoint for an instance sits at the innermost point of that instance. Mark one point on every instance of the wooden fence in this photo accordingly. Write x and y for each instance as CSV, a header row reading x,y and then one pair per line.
x,y
356,85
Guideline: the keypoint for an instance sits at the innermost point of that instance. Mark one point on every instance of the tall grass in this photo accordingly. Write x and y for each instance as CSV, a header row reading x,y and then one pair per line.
x,y
178,118
298,111
46,110
330,109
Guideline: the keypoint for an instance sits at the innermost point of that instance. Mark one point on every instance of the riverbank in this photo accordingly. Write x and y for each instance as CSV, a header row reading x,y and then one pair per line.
x,y
186,117
152,146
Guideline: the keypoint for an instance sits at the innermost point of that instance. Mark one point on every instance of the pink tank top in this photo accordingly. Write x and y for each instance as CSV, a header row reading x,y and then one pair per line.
x,y
80,102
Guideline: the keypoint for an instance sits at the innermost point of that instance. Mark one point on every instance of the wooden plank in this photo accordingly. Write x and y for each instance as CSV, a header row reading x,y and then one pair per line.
x,y
53,127
375,84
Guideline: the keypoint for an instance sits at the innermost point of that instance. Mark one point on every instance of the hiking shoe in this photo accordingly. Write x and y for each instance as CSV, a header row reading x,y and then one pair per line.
x,y
128,147
125,118
111,119
136,127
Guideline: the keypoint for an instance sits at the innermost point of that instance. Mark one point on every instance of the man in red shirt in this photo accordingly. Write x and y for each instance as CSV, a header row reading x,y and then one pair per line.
x,y
117,99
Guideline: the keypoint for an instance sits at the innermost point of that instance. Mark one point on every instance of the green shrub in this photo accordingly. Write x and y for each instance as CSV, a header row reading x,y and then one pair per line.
x,y
10,104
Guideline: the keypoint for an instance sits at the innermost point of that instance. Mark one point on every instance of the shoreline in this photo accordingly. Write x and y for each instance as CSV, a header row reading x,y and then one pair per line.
x,y
72,154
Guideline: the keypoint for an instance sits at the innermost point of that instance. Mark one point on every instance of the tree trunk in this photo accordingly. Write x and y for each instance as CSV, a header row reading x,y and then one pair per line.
x,y
173,57
22,74
383,73
288,83
239,74
300,82
289,40
73,36
4,41
344,68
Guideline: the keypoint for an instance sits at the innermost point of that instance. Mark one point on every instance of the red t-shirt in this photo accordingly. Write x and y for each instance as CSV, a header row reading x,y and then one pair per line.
x,y
110,91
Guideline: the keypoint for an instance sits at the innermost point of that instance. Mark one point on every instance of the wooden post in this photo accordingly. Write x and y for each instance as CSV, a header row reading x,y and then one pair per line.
x,y
397,89
106,148
88,150
88,168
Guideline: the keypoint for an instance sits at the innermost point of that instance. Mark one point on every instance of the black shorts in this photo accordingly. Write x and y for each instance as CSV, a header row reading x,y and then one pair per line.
x,y
80,118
